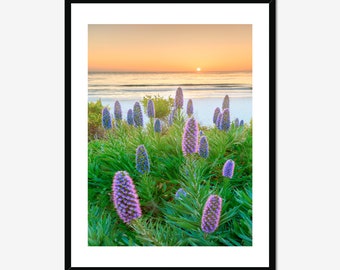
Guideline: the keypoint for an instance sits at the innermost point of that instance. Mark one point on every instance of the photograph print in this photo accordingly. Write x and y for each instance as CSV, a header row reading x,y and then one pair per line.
x,y
170,135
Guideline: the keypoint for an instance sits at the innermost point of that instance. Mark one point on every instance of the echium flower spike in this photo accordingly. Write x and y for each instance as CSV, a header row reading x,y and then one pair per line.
x,y
203,148
225,104
228,168
180,193
158,126
190,137
142,160
106,118
190,108
125,197
216,113
151,109
241,123
179,98
211,214
225,120
172,117
137,115
117,111
218,120
237,122
130,117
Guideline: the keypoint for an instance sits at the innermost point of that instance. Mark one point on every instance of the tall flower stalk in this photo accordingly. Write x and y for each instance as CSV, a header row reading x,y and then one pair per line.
x,y
106,119
118,111
137,115
225,120
228,168
219,120
190,137
237,122
203,148
125,197
142,160
151,109
211,214
130,117
179,98
190,108
225,104
216,113
158,126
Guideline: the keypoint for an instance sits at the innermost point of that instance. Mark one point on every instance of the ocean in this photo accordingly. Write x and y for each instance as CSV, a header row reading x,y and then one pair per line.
x,y
206,89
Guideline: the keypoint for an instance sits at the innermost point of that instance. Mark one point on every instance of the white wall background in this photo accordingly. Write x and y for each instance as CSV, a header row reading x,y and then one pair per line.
x,y
32,134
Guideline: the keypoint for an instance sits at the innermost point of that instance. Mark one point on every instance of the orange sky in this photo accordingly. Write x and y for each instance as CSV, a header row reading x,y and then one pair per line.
x,y
172,47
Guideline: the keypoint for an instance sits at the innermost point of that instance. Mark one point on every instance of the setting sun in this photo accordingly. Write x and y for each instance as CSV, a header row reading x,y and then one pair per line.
x,y
198,69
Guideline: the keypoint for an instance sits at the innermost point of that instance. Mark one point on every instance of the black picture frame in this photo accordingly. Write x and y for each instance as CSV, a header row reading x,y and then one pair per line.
x,y
272,132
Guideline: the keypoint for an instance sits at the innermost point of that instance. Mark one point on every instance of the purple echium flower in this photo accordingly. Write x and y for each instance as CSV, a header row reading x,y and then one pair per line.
x,y
180,193
241,123
137,115
211,214
130,117
216,113
142,160
218,120
125,197
228,168
151,108
179,98
190,108
225,120
203,148
106,118
237,122
225,104
158,126
117,111
172,117
190,137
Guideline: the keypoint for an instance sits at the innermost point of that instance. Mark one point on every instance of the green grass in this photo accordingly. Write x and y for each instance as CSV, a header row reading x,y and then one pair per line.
x,y
167,221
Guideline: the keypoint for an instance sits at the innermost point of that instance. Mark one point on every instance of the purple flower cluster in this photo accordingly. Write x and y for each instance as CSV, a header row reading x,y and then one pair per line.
x,y
225,104
118,111
218,120
106,118
228,168
142,160
151,109
190,137
125,197
203,148
179,98
130,117
241,123
216,113
137,115
190,108
158,126
225,120
180,193
237,122
172,117
211,214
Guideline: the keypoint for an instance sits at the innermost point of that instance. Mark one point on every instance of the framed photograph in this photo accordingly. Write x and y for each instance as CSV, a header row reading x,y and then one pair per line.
x,y
170,135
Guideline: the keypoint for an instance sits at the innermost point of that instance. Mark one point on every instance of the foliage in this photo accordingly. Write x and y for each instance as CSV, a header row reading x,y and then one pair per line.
x,y
95,128
167,219
161,104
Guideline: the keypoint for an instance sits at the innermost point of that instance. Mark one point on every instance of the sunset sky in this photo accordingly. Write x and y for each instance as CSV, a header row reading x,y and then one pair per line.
x,y
170,48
